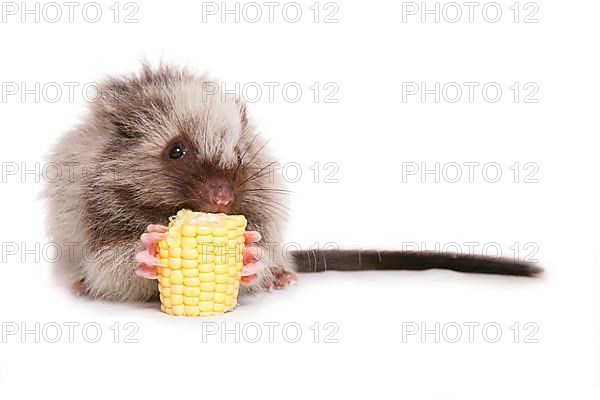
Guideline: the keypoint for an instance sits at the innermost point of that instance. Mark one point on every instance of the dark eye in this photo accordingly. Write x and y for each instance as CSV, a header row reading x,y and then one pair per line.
x,y
177,151
240,159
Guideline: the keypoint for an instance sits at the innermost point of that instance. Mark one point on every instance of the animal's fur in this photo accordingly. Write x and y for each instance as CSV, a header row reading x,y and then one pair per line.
x,y
123,181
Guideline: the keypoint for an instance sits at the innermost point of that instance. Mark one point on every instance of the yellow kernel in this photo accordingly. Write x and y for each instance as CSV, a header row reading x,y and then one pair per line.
x,y
194,282
204,230
219,231
176,299
221,259
189,263
220,250
176,289
221,278
165,271
204,296
206,267
190,301
207,286
188,231
220,240
166,291
206,248
192,311
175,252
205,305
190,272
191,291
176,277
218,308
163,253
204,239
188,242
178,309
241,220
221,268
174,263
189,253
166,282
173,241
206,276
219,298
166,301
220,287
230,224
206,258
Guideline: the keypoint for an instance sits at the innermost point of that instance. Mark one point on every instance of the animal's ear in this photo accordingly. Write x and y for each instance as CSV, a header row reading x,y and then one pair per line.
x,y
112,106
132,102
128,106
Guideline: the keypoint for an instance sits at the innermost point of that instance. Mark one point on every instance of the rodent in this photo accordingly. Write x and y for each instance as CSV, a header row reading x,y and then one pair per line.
x,y
154,142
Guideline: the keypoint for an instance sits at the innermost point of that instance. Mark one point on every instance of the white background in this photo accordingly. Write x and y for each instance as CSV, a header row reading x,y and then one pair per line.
x,y
369,133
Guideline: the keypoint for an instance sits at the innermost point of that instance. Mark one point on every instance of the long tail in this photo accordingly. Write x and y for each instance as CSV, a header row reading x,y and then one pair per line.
x,y
360,260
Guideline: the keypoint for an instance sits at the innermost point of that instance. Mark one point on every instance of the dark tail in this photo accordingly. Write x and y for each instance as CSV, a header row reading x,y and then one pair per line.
x,y
360,260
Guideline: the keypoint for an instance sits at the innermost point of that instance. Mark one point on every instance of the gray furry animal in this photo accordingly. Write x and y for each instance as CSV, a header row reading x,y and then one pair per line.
x,y
159,141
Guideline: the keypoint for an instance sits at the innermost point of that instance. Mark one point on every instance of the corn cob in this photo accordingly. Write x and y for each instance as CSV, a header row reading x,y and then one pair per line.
x,y
201,261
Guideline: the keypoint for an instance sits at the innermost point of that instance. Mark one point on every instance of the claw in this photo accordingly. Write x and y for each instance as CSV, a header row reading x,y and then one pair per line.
x,y
156,228
149,238
144,257
253,268
252,237
146,271
249,280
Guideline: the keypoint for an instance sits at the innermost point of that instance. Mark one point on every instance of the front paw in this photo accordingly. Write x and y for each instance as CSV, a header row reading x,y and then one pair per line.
x,y
280,279
253,267
147,260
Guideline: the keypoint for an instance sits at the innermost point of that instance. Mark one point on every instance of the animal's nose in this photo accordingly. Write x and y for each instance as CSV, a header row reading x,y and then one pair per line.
x,y
222,194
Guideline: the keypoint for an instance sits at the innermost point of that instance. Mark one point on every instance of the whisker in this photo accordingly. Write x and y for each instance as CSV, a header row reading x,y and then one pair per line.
x,y
268,190
254,175
259,150
244,154
206,124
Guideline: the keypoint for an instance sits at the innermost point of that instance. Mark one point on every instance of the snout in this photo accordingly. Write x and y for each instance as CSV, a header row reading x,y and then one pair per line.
x,y
221,193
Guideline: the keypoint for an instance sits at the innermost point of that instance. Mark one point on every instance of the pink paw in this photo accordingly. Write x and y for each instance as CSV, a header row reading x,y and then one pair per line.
x,y
78,288
252,264
146,258
281,279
